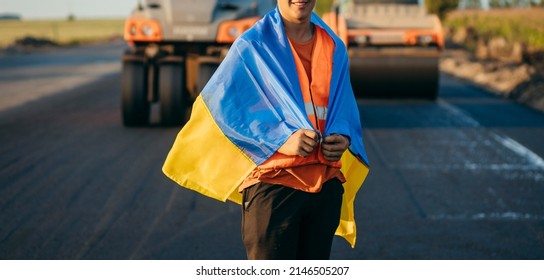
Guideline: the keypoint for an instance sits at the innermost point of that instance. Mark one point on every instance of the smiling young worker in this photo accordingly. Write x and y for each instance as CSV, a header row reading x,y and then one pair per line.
x,y
292,205
283,99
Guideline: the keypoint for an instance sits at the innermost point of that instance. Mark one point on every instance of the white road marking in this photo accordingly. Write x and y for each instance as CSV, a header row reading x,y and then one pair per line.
x,y
531,159
510,216
460,114
521,150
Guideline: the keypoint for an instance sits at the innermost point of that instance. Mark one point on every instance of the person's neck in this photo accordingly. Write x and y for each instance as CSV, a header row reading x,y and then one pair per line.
x,y
299,32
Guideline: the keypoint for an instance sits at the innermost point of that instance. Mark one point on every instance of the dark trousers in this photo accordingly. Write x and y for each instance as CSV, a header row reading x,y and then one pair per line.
x,y
283,223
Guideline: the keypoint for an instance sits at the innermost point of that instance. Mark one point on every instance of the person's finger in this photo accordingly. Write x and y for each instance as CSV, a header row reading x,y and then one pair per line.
x,y
311,134
328,139
332,153
306,148
307,141
334,138
332,147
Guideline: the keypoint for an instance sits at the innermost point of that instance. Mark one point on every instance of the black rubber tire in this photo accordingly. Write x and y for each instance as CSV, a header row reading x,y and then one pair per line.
x,y
205,72
172,94
134,104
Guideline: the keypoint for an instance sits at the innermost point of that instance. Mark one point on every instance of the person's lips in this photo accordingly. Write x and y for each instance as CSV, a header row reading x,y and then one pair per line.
x,y
300,4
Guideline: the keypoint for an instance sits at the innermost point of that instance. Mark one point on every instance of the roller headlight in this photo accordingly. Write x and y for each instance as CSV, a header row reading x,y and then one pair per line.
x,y
361,40
234,31
133,30
147,30
425,39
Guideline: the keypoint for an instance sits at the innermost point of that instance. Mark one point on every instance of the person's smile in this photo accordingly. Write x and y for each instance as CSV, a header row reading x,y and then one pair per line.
x,y
300,4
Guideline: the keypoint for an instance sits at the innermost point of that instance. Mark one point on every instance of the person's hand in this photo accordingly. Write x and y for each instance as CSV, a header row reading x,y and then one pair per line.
x,y
334,146
301,143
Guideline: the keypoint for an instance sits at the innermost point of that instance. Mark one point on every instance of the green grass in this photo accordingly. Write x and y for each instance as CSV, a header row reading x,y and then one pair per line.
x,y
515,25
61,31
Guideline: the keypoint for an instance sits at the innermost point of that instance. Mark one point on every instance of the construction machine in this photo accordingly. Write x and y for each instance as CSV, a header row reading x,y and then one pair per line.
x,y
394,46
174,48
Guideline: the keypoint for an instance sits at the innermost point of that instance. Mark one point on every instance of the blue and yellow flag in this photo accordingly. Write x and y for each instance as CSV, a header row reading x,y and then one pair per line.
x,y
249,108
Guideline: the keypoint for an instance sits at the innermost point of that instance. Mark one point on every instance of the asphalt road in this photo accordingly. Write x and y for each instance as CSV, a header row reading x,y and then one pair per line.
x,y
459,178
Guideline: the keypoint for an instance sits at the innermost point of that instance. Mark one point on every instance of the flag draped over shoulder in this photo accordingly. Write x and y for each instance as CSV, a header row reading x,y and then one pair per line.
x,y
249,108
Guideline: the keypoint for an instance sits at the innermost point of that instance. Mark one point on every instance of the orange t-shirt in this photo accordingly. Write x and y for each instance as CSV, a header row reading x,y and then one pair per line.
x,y
310,176
305,51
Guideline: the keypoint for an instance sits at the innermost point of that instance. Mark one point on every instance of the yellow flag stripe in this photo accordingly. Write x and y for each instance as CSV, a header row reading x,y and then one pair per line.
x,y
203,159
355,172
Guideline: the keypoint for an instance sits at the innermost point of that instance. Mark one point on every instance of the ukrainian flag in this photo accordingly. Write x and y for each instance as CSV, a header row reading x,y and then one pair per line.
x,y
249,108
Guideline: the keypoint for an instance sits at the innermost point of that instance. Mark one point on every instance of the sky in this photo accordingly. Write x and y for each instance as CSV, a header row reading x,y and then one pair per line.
x,y
50,9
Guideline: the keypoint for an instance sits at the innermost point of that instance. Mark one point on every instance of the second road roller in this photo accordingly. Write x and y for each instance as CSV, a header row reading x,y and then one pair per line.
x,y
394,46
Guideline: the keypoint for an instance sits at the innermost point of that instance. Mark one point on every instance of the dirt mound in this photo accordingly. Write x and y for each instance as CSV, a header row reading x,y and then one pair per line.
x,y
504,68
29,43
